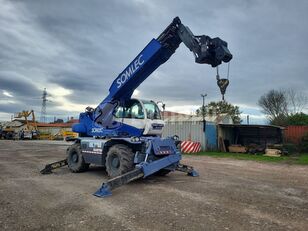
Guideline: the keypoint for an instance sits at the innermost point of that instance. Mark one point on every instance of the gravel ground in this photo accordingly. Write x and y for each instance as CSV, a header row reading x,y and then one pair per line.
x,y
228,195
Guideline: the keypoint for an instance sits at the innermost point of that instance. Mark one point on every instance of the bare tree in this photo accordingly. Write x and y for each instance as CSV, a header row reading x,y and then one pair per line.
x,y
297,101
274,104
278,105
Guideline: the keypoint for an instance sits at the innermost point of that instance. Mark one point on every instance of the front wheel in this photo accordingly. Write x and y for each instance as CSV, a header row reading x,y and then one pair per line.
x,y
75,159
119,160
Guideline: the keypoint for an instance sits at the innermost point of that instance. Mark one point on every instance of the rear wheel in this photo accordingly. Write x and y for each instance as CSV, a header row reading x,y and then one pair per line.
x,y
119,160
75,159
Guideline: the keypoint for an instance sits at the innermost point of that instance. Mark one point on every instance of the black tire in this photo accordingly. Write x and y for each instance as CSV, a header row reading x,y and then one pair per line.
x,y
162,172
75,159
119,160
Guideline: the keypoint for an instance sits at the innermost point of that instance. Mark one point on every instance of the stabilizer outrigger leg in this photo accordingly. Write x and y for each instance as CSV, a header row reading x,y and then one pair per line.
x,y
105,189
49,167
143,170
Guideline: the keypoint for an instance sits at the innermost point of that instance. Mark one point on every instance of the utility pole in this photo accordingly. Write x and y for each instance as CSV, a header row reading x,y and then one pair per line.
x,y
203,110
43,110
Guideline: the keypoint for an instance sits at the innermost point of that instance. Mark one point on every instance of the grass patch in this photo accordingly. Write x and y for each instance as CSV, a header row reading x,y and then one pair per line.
x,y
302,159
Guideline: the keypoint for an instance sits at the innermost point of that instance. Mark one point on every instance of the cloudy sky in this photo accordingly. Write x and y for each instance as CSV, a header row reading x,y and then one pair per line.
x,y
76,49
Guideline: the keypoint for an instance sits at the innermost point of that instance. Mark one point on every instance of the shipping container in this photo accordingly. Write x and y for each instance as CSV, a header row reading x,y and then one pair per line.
x,y
294,134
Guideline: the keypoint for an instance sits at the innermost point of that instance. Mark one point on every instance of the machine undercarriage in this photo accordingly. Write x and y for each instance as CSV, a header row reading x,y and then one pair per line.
x,y
156,156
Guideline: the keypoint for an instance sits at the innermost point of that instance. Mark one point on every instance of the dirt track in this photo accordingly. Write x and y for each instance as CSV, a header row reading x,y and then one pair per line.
x,y
228,195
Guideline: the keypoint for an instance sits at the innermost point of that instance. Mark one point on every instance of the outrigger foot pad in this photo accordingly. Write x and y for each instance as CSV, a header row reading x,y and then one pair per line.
x,y
46,170
103,191
188,169
193,173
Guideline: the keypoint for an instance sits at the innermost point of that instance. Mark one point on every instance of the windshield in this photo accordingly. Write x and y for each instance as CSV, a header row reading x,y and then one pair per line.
x,y
132,110
151,110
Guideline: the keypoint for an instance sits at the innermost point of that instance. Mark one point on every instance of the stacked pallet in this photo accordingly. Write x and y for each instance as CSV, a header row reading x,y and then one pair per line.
x,y
272,152
237,148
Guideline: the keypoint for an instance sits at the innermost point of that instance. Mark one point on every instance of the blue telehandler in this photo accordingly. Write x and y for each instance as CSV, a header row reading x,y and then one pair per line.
x,y
123,134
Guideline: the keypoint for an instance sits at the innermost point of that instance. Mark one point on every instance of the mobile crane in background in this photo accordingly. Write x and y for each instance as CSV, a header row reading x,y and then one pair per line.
x,y
124,134
31,130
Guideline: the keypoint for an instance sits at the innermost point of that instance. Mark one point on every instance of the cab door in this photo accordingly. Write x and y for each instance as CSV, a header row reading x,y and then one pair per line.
x,y
153,123
132,113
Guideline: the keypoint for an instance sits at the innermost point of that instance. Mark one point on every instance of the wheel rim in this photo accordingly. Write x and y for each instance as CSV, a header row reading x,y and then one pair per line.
x,y
115,162
74,157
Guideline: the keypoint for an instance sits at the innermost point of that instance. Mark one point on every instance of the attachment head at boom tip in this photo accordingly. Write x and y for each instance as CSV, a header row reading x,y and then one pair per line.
x,y
213,51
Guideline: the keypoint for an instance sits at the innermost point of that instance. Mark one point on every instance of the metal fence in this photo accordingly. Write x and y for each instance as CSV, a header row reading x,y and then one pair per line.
x,y
193,130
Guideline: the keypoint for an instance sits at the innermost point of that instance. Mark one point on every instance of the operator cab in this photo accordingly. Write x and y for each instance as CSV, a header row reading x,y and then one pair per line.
x,y
142,114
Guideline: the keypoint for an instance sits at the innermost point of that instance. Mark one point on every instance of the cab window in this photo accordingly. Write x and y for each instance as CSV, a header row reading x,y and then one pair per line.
x,y
132,110
152,110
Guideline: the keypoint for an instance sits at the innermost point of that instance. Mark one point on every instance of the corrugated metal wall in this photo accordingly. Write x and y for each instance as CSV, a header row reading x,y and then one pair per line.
x,y
294,134
193,130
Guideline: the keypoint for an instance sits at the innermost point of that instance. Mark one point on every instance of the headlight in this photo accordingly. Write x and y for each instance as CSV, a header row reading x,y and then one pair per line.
x,y
135,139
175,137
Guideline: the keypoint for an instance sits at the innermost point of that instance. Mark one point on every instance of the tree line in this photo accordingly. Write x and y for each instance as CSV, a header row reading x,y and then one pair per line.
x,y
281,107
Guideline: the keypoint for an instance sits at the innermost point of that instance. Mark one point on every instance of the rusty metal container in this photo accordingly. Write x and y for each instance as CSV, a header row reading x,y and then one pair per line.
x,y
294,134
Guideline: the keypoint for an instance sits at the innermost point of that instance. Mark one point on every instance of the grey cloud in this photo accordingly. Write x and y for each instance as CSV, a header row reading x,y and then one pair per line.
x,y
12,107
18,85
83,46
